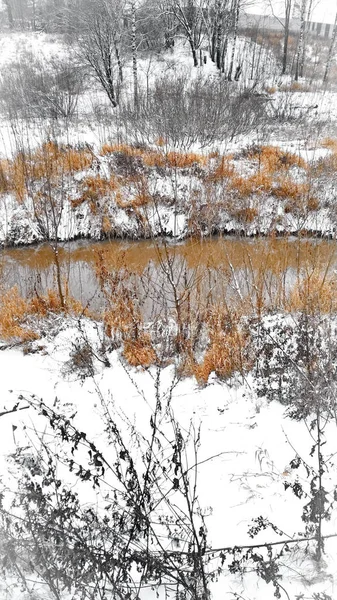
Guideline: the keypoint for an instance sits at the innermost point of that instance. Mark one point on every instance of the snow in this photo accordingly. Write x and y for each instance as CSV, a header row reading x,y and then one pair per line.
x,y
252,441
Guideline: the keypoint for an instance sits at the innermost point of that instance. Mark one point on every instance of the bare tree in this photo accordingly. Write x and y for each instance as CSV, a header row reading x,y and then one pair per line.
x,y
285,23
9,9
235,11
218,19
100,43
331,51
189,19
134,52
301,41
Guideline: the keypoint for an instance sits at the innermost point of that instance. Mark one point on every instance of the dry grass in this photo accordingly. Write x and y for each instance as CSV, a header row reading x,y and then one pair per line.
x,y
245,215
49,163
295,86
224,357
51,303
122,317
224,169
330,143
185,160
5,178
13,314
314,293
139,352
260,183
94,189
157,158
273,159
106,225
227,349
153,159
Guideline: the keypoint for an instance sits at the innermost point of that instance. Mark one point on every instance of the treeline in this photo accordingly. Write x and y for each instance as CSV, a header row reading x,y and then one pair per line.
x,y
210,28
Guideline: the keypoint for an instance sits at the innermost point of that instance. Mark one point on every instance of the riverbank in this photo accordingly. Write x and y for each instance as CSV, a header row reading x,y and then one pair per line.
x,y
123,192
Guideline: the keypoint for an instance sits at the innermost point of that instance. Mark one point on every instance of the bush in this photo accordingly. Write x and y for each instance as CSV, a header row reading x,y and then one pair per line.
x,y
181,113
33,89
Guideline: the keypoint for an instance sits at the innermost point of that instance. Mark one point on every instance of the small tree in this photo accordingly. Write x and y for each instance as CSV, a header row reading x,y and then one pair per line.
x,y
100,44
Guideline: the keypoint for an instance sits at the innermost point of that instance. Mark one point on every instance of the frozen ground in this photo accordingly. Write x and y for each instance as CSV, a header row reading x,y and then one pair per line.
x,y
252,443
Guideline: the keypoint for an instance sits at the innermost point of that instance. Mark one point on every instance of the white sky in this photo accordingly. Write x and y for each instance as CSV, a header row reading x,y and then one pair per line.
x,y
324,10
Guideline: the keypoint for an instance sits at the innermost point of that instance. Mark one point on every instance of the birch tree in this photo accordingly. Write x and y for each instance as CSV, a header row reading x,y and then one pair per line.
x,y
330,52
9,10
299,65
189,19
235,10
134,52
218,27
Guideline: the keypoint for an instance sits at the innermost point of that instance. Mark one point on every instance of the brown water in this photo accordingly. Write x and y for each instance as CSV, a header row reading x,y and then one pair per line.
x,y
33,268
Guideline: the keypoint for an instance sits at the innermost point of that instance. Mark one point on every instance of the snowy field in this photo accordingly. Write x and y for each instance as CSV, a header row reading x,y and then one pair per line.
x,y
244,459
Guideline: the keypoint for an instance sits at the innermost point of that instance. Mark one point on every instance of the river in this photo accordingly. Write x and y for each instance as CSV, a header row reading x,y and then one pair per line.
x,y
239,260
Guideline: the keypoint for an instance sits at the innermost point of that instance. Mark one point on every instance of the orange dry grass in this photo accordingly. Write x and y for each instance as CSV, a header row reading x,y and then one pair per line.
x,y
51,303
153,159
224,356
49,162
13,312
330,143
224,169
259,183
246,214
295,86
274,159
288,189
94,188
270,89
106,224
227,348
18,177
184,160
124,148
139,352
5,183
122,317
53,159
314,294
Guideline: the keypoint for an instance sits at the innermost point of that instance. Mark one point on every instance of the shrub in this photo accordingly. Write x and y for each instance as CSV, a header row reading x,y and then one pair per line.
x,y
34,88
184,112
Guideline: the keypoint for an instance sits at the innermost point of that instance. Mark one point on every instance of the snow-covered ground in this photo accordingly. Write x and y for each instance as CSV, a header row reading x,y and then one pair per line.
x,y
245,454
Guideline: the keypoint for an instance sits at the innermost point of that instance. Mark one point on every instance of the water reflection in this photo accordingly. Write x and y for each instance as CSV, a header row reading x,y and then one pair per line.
x,y
220,266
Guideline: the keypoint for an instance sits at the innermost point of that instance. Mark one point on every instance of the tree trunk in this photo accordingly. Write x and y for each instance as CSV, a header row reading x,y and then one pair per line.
x,y
194,52
119,62
134,54
300,48
331,51
219,34
9,13
236,8
286,36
